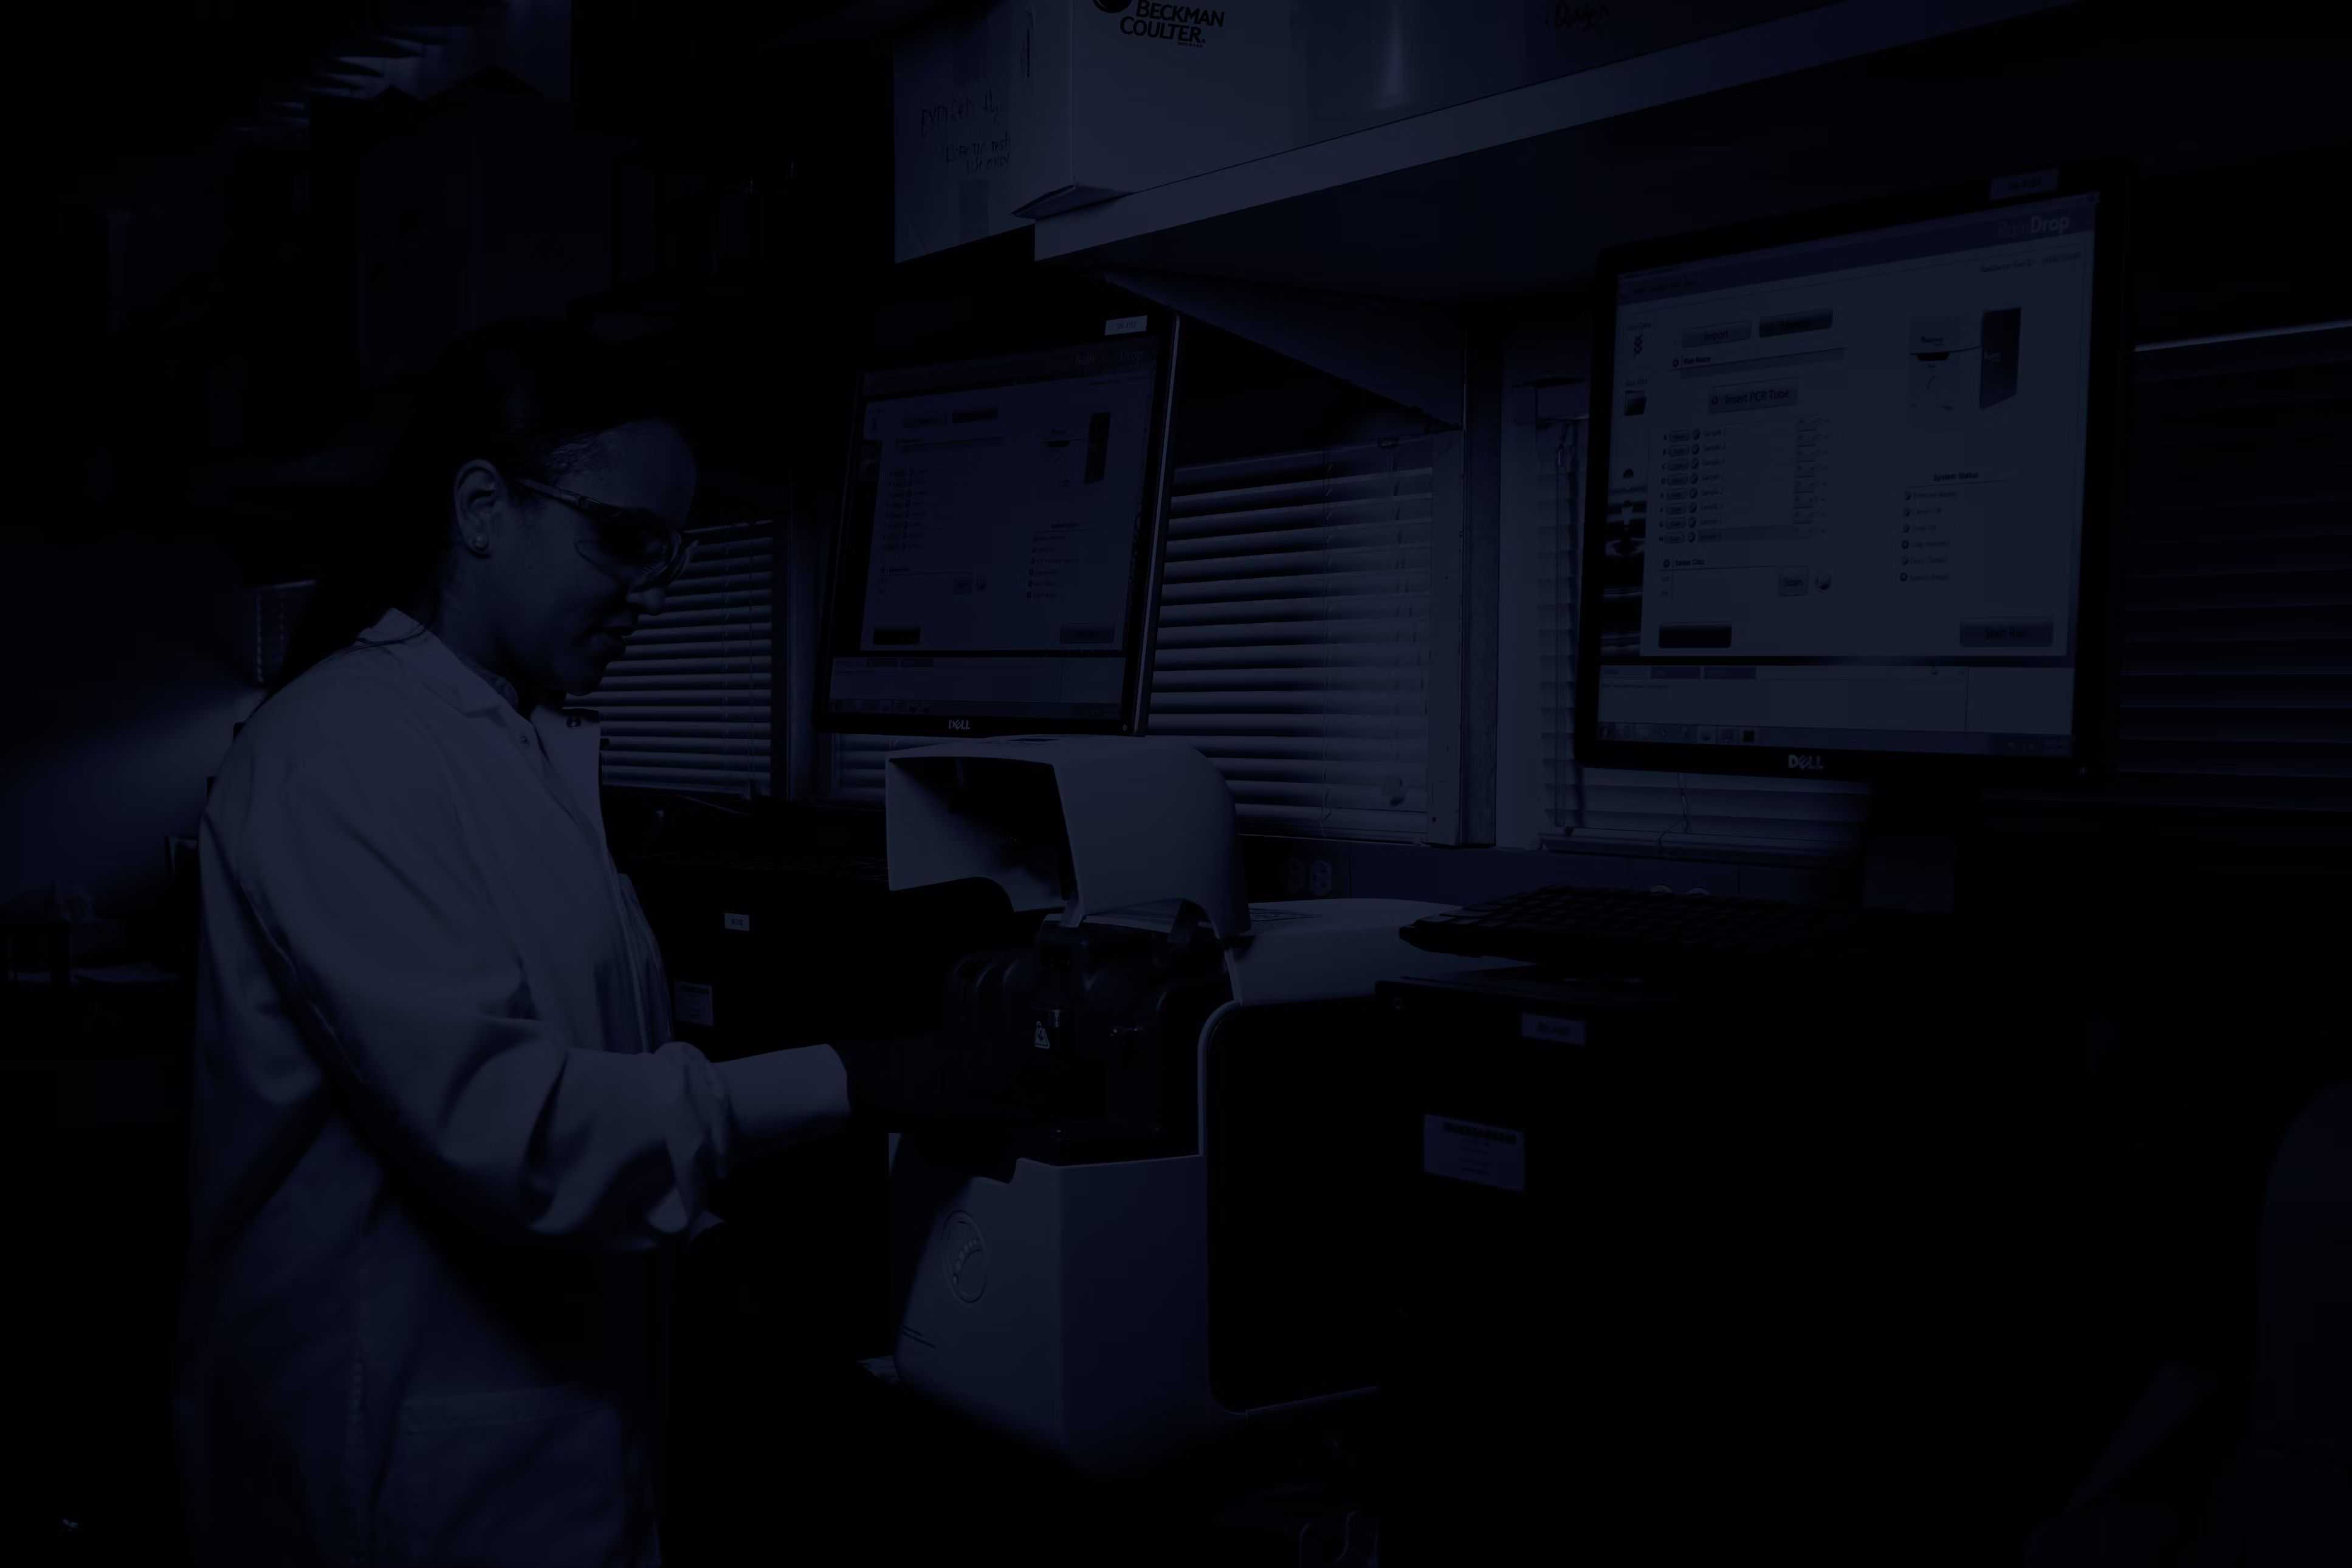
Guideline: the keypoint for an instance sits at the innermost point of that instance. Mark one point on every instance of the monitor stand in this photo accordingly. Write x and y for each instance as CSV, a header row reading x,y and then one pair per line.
x,y
1914,841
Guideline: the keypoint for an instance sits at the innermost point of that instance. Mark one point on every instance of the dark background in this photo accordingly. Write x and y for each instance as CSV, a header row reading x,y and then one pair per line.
x,y
231,267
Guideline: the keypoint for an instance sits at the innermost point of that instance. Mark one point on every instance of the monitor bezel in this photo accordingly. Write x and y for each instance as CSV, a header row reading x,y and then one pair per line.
x,y
2093,718
1163,328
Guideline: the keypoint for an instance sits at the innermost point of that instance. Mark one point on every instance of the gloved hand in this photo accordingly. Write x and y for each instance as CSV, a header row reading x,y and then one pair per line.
x,y
903,1082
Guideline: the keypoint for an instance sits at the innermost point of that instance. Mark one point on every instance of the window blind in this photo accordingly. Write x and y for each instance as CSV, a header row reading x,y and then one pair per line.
x,y
1294,638
1292,647
267,616
2235,615
1639,808
854,775
690,707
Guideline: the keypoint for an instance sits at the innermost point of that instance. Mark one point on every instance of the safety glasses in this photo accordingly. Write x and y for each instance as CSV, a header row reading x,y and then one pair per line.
x,y
641,548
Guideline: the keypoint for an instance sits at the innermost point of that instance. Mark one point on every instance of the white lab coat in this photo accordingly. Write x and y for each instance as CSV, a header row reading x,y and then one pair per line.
x,y
443,1148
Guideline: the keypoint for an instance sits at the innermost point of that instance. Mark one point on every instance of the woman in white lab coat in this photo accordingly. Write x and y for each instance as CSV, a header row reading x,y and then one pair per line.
x,y
443,1149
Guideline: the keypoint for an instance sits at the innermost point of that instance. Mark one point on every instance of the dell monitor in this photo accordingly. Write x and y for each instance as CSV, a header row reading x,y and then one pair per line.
x,y
997,565
1848,479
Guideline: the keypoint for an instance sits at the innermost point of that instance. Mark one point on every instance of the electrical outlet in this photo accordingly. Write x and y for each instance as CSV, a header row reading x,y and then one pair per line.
x,y
1294,877
1320,880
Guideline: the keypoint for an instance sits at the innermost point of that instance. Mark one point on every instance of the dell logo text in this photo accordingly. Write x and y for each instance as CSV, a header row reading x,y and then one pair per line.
x,y
964,725
1806,763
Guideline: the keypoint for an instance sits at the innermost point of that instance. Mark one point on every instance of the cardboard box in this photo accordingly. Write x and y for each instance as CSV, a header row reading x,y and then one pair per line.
x,y
1114,96
1354,67
1110,97
951,130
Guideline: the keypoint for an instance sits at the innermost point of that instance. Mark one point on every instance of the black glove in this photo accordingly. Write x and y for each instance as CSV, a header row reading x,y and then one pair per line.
x,y
904,1082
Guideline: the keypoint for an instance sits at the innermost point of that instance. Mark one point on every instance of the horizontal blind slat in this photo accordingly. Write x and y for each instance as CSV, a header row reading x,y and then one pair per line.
x,y
1371,773
699,781
858,764
645,747
1385,753
1328,609
689,732
730,638
1388,533
663,706
1292,645
1302,709
1235,593
1399,560
1335,647
1244,472
1194,725
1394,825
1272,510
715,620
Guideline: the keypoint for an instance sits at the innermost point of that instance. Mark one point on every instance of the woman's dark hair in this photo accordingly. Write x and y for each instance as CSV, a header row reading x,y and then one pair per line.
x,y
529,396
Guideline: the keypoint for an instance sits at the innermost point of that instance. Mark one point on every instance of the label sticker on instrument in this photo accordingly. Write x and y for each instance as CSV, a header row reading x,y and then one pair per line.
x,y
1471,1151
1118,326
739,922
1541,1027
690,1003
2031,185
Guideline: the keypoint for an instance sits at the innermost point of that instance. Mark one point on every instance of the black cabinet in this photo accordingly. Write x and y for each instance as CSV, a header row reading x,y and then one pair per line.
x,y
1684,1272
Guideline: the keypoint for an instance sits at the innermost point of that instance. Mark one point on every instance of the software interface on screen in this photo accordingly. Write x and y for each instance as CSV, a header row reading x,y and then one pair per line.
x,y
1846,490
1005,504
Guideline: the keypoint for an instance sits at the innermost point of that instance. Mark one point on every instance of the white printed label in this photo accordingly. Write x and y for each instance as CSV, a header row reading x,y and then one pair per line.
x,y
2024,184
1540,1027
1120,325
1469,1152
739,922
690,1003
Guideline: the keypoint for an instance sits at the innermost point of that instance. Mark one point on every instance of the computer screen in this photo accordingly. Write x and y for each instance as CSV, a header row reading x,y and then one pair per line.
x,y
1844,490
996,562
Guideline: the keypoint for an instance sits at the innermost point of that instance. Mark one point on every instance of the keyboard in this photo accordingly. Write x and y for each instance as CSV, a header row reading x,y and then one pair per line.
x,y
1620,933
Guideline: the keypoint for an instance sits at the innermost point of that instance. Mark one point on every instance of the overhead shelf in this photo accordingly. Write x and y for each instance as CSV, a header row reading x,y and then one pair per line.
x,y
1515,195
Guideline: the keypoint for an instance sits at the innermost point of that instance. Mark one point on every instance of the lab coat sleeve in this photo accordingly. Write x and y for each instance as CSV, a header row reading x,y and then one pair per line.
x,y
782,1097
383,937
